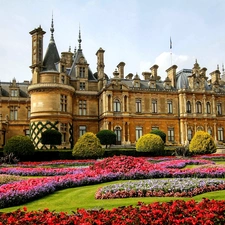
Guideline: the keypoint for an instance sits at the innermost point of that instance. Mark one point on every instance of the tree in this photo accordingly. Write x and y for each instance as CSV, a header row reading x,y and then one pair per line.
x,y
51,137
160,133
88,146
202,143
106,137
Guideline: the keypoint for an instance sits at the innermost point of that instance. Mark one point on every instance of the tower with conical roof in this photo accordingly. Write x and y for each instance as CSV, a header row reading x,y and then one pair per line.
x,y
51,94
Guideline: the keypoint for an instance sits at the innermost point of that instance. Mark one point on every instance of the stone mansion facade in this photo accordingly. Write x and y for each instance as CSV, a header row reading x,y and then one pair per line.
x,y
65,95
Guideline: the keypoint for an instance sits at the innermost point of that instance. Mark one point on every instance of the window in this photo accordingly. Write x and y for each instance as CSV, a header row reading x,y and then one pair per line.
x,y
189,133
170,106
82,130
209,131
138,132
82,72
14,92
28,112
62,79
198,107
63,103
82,86
116,105
125,103
220,134
208,108
138,105
118,135
188,107
13,112
219,108
63,130
62,69
155,128
27,132
82,107
171,134
154,106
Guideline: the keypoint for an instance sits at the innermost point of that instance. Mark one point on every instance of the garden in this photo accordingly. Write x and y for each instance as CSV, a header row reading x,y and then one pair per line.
x,y
115,190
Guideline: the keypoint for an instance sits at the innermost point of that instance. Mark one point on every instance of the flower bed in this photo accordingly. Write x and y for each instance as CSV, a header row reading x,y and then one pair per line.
x,y
175,212
182,187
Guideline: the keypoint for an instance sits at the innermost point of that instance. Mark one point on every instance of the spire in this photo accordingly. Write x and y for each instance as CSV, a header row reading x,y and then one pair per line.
x,y
69,48
52,29
218,67
223,67
79,39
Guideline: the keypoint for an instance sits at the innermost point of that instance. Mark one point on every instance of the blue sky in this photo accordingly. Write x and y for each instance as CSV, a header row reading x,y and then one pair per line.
x,y
136,32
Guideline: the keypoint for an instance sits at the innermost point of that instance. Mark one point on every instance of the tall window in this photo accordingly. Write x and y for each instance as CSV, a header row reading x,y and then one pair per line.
x,y
139,132
220,134
63,103
138,105
208,108
188,107
170,106
125,103
13,112
189,133
27,132
63,130
117,106
28,113
118,135
171,134
82,86
154,106
82,72
219,108
62,79
82,130
198,107
14,92
82,107
209,131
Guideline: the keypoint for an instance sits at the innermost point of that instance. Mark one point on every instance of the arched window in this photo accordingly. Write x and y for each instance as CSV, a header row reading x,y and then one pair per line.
x,y
208,108
116,104
188,107
198,107
189,133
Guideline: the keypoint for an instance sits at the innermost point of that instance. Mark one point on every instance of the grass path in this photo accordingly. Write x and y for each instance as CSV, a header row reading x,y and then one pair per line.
x,y
70,199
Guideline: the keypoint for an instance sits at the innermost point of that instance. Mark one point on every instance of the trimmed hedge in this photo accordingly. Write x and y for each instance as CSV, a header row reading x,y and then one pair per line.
x,y
202,143
51,137
160,133
106,137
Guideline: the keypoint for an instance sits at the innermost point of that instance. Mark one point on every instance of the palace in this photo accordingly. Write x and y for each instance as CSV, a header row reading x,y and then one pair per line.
x,y
65,95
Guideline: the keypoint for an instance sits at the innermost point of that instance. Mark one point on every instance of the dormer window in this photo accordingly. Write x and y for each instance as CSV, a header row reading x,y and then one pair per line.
x,y
14,92
82,72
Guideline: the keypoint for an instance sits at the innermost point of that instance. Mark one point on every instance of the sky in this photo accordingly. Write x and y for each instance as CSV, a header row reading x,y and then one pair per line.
x,y
136,32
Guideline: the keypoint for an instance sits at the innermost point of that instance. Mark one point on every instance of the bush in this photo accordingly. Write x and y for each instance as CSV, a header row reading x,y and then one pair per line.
x,y
106,137
160,133
150,143
88,146
21,147
202,143
51,137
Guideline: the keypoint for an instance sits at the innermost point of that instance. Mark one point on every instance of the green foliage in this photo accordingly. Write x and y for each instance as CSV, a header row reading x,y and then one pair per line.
x,y
51,137
106,137
21,147
150,143
160,133
202,143
88,146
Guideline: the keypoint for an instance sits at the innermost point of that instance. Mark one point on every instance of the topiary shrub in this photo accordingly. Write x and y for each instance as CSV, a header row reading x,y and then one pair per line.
x,y
88,146
202,143
150,143
160,133
21,147
51,137
106,137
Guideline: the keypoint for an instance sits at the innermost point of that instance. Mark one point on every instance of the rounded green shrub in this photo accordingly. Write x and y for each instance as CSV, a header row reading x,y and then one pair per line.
x,y
88,146
202,143
21,147
150,143
51,137
106,137
160,133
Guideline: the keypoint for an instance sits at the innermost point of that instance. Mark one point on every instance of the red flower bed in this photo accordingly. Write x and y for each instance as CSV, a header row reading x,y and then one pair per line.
x,y
175,212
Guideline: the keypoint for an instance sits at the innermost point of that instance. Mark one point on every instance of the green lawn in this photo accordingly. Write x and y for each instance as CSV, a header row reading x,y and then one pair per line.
x,y
70,199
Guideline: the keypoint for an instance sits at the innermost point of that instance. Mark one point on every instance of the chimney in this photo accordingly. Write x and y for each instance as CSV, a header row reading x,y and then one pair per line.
x,y
120,67
154,71
215,76
171,74
146,75
100,63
